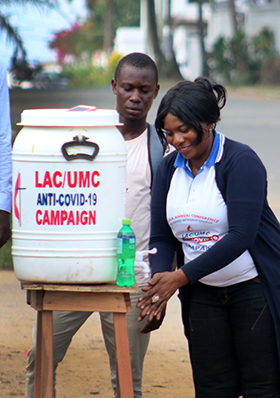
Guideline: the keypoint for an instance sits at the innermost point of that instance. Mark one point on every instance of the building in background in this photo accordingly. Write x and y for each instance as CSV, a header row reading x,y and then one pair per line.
x,y
263,14
216,20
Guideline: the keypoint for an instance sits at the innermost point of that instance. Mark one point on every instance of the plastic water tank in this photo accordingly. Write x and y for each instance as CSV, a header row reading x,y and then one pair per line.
x,y
68,196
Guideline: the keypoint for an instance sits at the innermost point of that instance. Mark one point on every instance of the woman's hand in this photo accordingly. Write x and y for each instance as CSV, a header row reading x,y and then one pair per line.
x,y
160,288
154,324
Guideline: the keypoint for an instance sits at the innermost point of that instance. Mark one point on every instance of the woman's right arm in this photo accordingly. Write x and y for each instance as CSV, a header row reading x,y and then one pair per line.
x,y
164,283
161,235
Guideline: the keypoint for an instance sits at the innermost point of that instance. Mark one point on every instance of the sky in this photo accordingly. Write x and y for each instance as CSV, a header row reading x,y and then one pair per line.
x,y
36,27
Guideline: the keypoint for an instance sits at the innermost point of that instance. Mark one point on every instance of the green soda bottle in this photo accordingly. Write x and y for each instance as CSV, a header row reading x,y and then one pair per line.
x,y
125,255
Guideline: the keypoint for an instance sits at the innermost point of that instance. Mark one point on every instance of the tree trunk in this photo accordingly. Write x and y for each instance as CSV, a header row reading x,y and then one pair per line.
x,y
167,69
205,68
174,69
152,26
233,15
108,33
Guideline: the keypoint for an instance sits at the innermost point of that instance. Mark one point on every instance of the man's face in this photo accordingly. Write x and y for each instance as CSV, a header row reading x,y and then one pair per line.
x,y
135,88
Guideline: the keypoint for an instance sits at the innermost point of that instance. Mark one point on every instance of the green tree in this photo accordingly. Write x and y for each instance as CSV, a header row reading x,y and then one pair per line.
x,y
240,59
80,41
98,31
109,15
238,48
234,60
220,59
113,14
264,44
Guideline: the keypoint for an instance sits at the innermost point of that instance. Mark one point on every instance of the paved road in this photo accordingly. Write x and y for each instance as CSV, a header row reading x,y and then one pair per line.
x,y
257,123
252,121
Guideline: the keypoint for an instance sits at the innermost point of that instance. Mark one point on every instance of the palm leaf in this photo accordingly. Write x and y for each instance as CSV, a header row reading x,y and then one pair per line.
x,y
12,34
49,3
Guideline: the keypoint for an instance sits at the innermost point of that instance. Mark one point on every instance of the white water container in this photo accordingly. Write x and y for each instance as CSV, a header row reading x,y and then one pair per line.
x,y
68,196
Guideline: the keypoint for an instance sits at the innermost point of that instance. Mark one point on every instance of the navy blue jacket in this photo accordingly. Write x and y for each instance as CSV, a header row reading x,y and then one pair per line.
x,y
241,178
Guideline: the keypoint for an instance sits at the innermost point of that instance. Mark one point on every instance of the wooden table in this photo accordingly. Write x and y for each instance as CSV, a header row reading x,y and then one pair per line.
x,y
46,298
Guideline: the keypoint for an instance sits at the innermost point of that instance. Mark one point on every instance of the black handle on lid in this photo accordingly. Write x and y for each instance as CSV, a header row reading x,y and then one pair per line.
x,y
77,141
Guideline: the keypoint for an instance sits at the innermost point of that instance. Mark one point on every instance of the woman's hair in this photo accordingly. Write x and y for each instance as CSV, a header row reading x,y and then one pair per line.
x,y
192,103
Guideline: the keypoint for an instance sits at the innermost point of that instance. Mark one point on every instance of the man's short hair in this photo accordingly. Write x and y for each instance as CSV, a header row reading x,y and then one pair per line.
x,y
138,60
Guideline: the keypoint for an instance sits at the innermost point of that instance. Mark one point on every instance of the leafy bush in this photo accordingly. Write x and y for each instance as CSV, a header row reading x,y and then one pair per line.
x,y
6,257
84,74
113,62
264,44
78,41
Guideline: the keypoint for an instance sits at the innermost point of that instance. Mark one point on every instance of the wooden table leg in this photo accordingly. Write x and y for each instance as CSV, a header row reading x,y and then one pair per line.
x,y
44,355
47,354
123,356
38,357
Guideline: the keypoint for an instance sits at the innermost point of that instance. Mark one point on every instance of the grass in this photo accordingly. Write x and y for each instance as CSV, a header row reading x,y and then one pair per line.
x,y
6,262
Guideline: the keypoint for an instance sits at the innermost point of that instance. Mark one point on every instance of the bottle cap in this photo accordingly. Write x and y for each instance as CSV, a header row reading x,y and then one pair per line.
x,y
126,221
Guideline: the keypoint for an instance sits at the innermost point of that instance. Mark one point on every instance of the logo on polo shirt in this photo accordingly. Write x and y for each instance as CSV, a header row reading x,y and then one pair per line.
x,y
199,236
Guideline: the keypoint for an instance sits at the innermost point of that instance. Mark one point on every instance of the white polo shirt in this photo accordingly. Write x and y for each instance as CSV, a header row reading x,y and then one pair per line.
x,y
197,215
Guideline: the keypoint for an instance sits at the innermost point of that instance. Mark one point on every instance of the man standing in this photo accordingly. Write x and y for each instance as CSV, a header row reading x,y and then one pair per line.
x,y
136,86
5,159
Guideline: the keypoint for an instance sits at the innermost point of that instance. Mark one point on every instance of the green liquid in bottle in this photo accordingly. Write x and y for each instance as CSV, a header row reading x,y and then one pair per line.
x,y
126,255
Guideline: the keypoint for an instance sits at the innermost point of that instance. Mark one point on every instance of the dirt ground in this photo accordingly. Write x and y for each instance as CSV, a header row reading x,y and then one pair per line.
x,y
85,368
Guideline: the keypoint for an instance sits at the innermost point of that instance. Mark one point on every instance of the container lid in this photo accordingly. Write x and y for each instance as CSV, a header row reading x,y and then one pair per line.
x,y
65,118
126,221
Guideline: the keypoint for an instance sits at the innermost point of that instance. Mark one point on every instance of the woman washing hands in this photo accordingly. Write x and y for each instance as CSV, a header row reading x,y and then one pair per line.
x,y
161,287
209,198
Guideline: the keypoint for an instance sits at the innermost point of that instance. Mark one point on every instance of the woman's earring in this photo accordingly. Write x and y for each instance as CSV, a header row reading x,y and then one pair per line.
x,y
210,129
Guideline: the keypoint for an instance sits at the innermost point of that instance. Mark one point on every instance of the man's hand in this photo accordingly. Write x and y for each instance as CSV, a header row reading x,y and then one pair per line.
x,y
5,230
